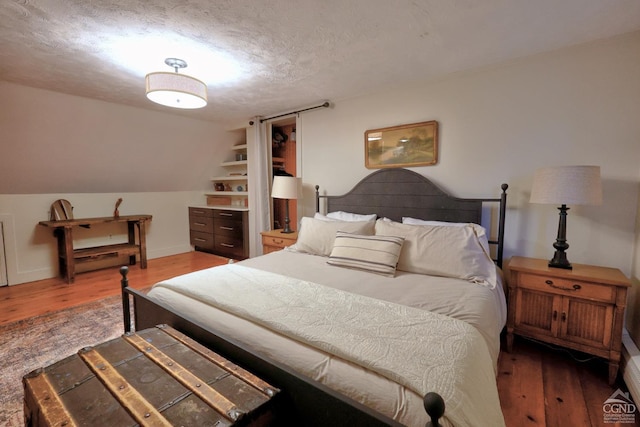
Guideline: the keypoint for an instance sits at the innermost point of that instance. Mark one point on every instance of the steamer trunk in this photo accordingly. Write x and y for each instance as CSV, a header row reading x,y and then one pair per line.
x,y
157,376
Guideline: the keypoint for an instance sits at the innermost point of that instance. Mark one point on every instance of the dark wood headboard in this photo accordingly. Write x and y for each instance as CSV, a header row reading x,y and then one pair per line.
x,y
394,193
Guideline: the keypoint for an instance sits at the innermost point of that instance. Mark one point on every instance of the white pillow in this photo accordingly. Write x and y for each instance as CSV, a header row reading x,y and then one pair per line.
x,y
321,217
316,236
376,254
481,232
348,216
442,251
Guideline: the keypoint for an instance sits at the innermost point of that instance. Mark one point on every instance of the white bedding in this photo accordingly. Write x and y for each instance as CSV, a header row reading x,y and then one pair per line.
x,y
477,305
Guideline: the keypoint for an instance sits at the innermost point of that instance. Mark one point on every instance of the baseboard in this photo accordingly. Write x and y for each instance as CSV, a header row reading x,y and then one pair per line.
x,y
168,251
631,366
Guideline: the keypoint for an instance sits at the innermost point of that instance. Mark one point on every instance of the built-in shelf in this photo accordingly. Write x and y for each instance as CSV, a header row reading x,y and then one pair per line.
x,y
227,193
235,163
239,147
230,178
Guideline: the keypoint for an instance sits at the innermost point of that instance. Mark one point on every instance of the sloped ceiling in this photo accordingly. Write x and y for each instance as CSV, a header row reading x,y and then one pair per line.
x,y
268,56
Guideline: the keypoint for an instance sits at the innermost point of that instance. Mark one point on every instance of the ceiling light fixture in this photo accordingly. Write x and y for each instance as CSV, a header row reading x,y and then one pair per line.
x,y
176,90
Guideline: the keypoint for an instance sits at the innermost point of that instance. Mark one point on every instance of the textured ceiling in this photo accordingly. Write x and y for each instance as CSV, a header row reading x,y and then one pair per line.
x,y
268,56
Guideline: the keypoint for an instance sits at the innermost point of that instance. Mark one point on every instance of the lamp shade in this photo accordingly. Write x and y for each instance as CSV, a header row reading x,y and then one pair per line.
x,y
176,90
285,187
567,185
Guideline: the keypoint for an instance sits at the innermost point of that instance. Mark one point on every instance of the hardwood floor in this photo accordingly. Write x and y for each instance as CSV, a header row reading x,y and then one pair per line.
x,y
538,386
543,386
43,296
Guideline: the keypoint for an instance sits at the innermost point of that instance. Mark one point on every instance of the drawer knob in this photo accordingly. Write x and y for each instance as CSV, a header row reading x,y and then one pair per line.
x,y
226,228
575,287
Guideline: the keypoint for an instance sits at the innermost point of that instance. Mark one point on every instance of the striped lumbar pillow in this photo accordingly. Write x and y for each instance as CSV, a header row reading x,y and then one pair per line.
x,y
377,254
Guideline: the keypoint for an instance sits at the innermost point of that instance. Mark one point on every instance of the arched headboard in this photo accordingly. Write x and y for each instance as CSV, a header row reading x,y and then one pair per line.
x,y
397,193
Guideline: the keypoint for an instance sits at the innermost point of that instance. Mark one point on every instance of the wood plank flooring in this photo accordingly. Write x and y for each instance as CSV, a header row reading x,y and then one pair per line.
x,y
538,386
31,299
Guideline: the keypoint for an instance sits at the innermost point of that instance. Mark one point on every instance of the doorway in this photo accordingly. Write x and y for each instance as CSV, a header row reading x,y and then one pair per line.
x,y
284,142
3,259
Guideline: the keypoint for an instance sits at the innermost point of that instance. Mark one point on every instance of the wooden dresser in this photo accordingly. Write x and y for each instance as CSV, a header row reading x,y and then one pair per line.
x,y
275,240
581,309
220,231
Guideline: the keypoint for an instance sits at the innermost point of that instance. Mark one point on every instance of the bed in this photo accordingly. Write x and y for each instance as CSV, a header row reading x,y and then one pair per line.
x,y
361,322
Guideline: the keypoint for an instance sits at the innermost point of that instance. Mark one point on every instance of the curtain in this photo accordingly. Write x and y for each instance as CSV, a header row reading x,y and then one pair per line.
x,y
259,184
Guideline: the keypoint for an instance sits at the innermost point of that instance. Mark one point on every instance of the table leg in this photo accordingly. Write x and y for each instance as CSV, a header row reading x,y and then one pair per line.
x,y
132,240
142,238
65,253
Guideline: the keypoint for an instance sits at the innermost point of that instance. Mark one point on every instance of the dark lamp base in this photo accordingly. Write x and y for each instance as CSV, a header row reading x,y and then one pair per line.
x,y
566,266
559,259
289,231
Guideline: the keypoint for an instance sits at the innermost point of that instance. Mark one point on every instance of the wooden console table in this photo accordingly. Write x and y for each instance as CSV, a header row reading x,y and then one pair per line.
x,y
68,257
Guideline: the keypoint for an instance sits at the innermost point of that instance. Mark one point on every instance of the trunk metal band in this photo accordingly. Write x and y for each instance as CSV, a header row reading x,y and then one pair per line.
x,y
51,407
201,389
130,398
228,366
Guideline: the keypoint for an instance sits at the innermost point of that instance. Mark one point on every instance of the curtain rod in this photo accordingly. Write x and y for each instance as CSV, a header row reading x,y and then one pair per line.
x,y
325,105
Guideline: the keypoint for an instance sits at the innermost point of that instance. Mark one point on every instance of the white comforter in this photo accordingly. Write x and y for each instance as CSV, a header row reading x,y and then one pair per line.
x,y
389,374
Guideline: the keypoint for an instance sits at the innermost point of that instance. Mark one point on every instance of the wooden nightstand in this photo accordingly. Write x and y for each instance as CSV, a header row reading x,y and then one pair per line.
x,y
275,240
582,309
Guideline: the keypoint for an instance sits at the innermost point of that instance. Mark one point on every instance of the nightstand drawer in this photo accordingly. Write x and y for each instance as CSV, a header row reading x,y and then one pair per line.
x,y
562,286
276,241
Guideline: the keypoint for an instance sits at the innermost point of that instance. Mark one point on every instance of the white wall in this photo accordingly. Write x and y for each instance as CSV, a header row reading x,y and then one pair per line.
x,y
57,143
31,249
91,153
574,106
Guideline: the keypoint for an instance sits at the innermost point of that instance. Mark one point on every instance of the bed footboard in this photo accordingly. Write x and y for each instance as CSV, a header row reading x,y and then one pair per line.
x,y
312,403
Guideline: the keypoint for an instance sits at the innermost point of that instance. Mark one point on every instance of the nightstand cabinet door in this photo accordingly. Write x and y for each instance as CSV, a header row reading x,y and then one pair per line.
x,y
586,323
537,313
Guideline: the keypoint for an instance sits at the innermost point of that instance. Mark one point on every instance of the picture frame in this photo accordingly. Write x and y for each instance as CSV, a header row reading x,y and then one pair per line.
x,y
401,146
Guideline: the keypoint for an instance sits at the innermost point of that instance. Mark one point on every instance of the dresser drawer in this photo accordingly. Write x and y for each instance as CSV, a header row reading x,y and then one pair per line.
x,y
562,286
193,212
229,246
229,228
227,214
201,223
201,240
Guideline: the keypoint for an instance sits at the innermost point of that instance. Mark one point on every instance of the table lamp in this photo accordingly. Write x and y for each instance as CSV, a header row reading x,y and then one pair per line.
x,y
566,185
285,187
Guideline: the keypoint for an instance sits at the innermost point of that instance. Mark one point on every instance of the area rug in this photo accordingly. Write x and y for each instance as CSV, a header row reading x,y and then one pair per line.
x,y
40,341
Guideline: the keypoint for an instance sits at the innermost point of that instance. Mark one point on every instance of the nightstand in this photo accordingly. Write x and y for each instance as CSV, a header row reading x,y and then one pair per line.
x,y
581,309
275,240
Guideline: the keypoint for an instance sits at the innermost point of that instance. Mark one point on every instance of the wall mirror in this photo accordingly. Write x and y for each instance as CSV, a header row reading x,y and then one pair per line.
x,y
402,146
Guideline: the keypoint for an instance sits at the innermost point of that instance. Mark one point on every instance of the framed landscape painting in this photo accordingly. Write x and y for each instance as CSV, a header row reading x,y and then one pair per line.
x,y
402,146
